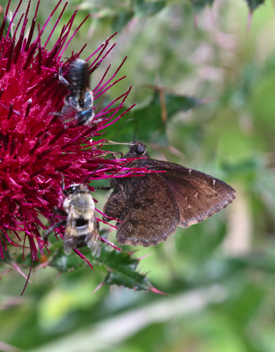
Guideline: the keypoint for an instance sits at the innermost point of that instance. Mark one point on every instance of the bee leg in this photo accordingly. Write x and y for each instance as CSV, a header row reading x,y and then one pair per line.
x,y
59,113
83,117
64,81
64,192
58,211
53,225
70,100
56,113
52,228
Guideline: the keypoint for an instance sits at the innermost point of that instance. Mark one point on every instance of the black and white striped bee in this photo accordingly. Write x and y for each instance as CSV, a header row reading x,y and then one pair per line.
x,y
81,226
81,97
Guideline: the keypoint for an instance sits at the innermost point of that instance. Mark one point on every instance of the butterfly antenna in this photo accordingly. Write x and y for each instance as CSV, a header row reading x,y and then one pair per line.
x,y
63,184
115,143
109,142
136,128
121,127
90,175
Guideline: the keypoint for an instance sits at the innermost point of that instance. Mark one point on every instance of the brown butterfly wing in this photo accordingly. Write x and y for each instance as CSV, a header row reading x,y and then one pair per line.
x,y
150,215
198,195
151,207
119,198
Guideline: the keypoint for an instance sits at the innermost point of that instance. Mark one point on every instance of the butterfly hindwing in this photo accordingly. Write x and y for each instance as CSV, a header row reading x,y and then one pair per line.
x,y
151,214
120,196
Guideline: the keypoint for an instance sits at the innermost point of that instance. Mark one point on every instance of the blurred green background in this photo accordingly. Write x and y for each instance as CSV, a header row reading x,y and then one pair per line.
x,y
219,275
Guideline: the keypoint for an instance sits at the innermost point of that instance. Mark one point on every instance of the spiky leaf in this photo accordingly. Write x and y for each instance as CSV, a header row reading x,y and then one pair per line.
x,y
253,4
122,270
121,267
143,8
198,5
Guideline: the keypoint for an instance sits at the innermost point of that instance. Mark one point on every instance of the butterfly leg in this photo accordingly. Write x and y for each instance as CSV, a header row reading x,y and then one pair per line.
x,y
103,188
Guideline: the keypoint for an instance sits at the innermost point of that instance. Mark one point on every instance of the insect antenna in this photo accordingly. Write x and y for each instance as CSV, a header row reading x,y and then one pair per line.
x,y
90,175
136,128
63,185
110,142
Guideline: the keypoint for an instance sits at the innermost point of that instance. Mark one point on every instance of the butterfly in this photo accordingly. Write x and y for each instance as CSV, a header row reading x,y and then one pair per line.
x,y
151,207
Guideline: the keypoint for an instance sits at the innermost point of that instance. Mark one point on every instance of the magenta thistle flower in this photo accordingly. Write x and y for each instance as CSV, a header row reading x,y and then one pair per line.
x,y
35,145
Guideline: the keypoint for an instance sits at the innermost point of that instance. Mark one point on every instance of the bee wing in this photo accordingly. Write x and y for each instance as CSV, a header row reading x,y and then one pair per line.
x,y
71,234
67,114
93,241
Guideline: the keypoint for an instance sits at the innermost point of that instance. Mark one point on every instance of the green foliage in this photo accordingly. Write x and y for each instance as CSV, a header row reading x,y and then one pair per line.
x,y
253,4
200,4
7,258
143,8
148,117
64,263
122,270
8,19
119,266
219,274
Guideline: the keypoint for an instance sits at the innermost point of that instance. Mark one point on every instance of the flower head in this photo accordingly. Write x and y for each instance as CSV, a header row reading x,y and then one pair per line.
x,y
36,145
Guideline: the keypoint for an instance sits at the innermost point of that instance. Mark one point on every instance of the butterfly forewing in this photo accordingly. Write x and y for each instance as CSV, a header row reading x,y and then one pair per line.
x,y
198,195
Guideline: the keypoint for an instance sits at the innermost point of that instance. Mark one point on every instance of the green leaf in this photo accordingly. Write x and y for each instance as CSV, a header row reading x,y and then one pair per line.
x,y
149,118
121,12
121,19
176,103
132,280
209,235
246,168
143,8
122,270
248,302
200,4
253,4
63,262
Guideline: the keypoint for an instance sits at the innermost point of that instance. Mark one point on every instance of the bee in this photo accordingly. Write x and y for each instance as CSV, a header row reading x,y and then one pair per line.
x,y
81,97
81,226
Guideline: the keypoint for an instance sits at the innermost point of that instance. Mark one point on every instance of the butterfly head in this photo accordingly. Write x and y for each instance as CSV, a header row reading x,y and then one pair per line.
x,y
137,149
